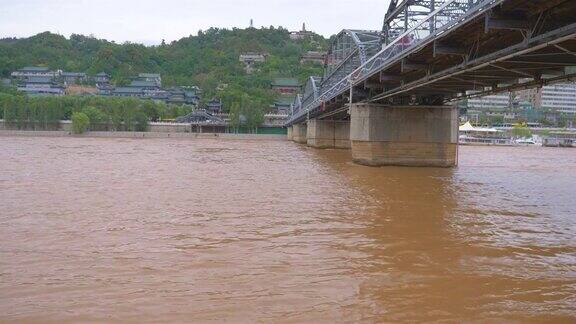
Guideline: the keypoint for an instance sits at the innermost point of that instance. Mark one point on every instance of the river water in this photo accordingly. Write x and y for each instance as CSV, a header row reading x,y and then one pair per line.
x,y
168,230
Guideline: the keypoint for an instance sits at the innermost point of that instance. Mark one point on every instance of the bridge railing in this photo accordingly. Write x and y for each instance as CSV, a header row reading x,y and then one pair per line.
x,y
412,38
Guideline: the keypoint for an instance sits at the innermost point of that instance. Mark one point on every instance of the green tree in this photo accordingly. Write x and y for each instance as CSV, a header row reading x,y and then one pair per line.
x,y
254,116
80,123
5,104
521,131
98,119
235,113
141,122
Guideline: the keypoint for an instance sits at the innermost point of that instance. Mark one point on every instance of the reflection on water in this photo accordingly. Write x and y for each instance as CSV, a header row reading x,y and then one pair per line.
x,y
180,230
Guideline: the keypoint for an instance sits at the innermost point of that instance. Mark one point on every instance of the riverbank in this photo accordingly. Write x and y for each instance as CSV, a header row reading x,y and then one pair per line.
x,y
230,136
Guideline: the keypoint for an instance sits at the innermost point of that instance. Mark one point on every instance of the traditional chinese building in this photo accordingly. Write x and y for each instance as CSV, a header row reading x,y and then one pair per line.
x,y
214,106
34,71
183,96
127,92
286,86
145,85
102,78
313,57
73,77
251,59
40,86
303,34
283,106
151,77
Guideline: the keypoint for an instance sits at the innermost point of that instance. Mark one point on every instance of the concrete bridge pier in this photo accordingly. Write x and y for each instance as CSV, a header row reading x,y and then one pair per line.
x,y
320,133
289,134
342,134
299,133
328,134
424,136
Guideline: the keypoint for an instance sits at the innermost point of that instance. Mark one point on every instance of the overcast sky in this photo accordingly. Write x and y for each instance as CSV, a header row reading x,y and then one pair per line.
x,y
150,21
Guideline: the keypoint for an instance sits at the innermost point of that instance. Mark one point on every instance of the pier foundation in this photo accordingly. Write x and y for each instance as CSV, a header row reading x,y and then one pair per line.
x,y
404,135
299,133
320,133
328,134
342,134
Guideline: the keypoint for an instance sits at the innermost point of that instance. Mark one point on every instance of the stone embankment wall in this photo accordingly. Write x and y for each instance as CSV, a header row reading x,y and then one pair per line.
x,y
157,130
66,126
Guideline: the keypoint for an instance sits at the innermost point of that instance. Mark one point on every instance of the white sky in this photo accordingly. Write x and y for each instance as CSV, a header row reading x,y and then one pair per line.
x,y
150,21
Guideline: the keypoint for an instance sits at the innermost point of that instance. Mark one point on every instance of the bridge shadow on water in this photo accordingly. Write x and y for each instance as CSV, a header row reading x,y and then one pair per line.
x,y
427,254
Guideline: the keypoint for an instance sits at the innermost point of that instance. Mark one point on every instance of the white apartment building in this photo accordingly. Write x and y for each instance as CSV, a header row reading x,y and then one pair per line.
x,y
492,102
559,97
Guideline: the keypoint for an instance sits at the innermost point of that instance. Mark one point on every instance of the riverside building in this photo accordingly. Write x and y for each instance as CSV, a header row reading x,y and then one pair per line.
x,y
559,97
492,102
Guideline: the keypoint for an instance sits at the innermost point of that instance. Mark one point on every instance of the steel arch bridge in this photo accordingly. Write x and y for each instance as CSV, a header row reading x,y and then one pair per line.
x,y
350,49
433,51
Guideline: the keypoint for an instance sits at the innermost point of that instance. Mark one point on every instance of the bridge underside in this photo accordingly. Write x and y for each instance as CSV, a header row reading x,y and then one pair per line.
x,y
497,46
519,44
510,45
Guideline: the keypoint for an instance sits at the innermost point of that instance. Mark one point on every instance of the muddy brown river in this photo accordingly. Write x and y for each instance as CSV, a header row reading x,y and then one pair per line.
x,y
168,230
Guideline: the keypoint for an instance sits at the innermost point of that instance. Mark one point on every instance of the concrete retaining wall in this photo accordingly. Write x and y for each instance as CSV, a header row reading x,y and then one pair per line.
x,y
8,133
169,128
156,130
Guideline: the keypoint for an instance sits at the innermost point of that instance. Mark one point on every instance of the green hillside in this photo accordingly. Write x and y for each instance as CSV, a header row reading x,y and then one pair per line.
x,y
208,60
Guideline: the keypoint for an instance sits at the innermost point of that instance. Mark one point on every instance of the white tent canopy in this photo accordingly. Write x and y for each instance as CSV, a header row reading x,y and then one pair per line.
x,y
469,128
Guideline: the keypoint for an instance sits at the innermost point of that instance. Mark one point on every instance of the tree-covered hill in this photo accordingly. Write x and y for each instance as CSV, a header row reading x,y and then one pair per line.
x,y
208,60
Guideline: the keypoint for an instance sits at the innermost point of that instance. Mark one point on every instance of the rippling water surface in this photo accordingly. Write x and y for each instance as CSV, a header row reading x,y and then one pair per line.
x,y
174,230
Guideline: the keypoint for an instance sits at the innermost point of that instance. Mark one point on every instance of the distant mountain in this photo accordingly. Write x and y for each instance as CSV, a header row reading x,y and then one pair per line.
x,y
208,60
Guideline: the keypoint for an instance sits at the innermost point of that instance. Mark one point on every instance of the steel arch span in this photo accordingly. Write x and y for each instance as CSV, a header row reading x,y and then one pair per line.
x,y
349,50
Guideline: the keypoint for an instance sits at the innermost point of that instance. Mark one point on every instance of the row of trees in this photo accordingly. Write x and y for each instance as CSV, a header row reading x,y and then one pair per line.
x,y
104,114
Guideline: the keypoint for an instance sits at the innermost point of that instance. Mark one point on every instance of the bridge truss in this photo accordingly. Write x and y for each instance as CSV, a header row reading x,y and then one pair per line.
x,y
409,14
